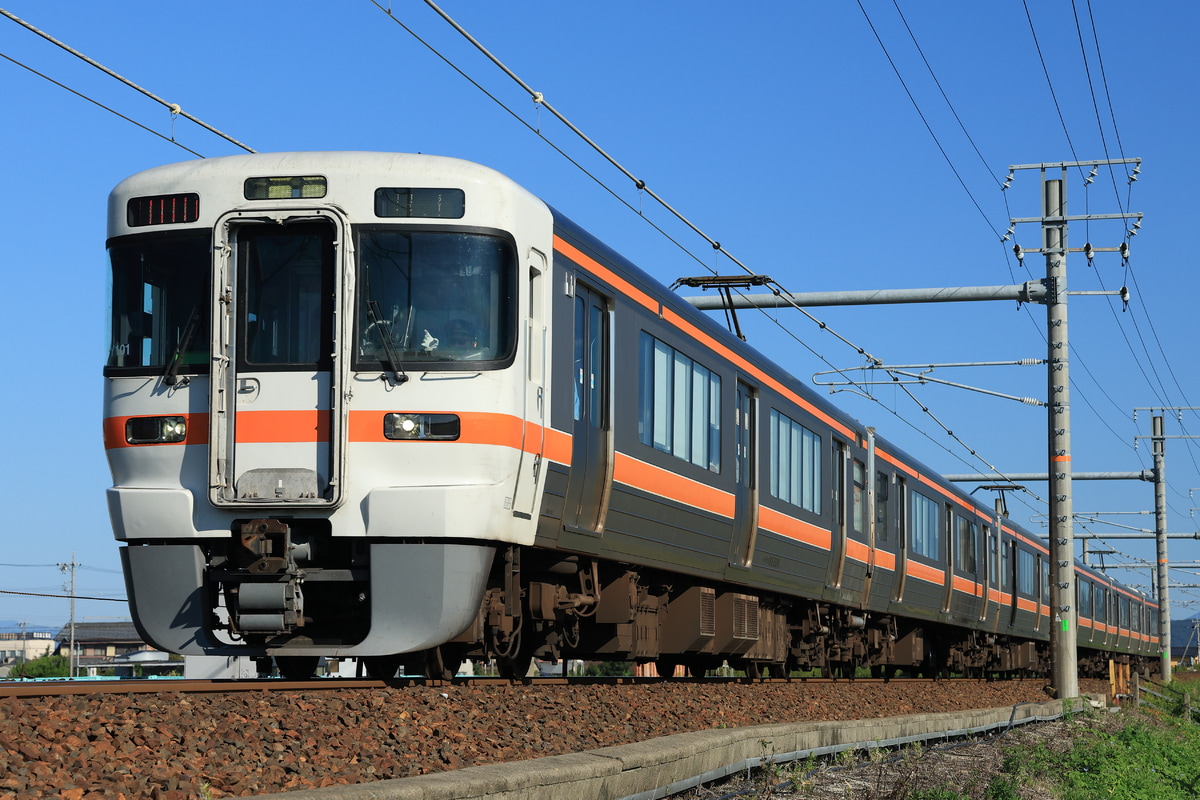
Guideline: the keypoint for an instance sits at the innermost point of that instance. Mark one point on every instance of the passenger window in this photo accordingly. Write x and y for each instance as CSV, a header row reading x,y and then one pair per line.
x,y
679,405
965,546
881,507
795,463
925,540
860,496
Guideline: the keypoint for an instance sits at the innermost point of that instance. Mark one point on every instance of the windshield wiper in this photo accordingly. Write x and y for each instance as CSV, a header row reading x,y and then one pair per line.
x,y
399,376
171,374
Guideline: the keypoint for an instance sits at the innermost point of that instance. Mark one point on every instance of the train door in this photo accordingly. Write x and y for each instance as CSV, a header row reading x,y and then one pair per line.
x,y
883,539
587,491
274,427
966,565
1009,560
902,528
745,519
1041,591
991,567
535,394
948,556
837,549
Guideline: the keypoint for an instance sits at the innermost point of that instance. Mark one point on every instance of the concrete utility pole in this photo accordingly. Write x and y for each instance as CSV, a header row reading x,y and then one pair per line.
x,y
1065,665
1160,530
1054,219
1158,440
64,568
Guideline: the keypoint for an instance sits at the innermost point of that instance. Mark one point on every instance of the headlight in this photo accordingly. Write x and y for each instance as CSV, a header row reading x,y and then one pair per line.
x,y
155,430
441,427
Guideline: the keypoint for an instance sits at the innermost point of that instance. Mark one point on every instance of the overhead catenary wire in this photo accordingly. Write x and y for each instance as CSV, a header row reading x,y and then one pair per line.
x,y
1107,93
63,596
174,108
925,121
1131,179
640,184
539,99
1049,83
929,67
945,97
1121,205
537,132
709,239
101,105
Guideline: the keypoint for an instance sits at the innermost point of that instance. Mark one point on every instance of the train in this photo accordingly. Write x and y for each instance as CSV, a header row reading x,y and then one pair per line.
x,y
395,407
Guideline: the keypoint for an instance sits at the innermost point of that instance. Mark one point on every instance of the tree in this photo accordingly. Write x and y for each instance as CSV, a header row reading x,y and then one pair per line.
x,y
608,668
46,667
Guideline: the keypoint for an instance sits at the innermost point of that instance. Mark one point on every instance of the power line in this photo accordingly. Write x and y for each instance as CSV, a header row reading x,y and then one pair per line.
x,y
64,596
945,97
921,114
1108,97
1092,89
174,108
540,100
99,104
1049,83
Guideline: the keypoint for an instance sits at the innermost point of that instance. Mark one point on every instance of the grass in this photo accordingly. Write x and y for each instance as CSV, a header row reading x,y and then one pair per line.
x,y
1149,755
1136,754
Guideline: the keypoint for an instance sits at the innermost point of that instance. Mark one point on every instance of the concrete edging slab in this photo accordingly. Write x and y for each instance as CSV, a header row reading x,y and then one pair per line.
x,y
655,768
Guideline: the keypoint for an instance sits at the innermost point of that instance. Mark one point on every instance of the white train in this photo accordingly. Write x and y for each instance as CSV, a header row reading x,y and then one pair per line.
x,y
370,405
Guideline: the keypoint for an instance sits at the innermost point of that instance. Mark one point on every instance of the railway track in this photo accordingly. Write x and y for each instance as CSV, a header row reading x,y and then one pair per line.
x,y
47,688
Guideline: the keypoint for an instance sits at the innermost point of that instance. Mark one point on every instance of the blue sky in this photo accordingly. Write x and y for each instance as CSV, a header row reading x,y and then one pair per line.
x,y
780,129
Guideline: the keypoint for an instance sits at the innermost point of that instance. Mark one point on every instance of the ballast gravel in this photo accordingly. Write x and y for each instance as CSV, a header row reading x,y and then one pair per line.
x,y
175,746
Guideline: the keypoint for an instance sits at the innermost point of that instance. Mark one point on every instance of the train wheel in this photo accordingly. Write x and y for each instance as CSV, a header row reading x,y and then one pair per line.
x,y
442,663
513,667
666,667
840,669
382,668
297,668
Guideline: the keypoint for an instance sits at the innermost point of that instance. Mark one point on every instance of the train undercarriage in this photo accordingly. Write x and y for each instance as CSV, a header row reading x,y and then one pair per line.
x,y
550,605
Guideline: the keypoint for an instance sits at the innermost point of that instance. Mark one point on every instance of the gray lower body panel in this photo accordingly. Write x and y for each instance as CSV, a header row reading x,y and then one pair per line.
x,y
421,595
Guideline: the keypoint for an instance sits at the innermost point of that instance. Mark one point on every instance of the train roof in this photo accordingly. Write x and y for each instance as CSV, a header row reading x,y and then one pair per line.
x,y
359,173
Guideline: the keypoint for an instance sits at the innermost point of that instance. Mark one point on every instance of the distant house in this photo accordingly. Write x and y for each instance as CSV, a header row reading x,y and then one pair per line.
x,y
1185,641
100,645
20,646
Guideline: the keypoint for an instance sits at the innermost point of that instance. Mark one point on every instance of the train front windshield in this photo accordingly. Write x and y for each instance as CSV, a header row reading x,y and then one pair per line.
x,y
438,299
159,307
434,298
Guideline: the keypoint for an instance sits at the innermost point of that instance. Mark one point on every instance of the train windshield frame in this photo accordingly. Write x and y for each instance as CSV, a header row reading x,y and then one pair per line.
x,y
437,298
158,303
